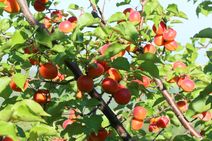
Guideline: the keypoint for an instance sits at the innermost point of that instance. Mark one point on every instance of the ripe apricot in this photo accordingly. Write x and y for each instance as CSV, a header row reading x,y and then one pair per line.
x,y
171,45
47,22
128,11
42,96
85,83
12,6
66,27
122,96
104,64
153,128
160,29
67,122
114,74
136,124
149,48
95,70
100,136
39,5
169,34
56,16
139,113
182,105
178,64
7,139
186,84
162,122
14,87
135,17
48,71
158,40
110,86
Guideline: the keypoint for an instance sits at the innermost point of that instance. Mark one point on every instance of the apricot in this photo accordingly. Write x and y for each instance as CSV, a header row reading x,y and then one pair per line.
x,y
104,64
122,96
204,116
153,128
14,87
171,45
67,122
146,81
186,84
56,16
79,94
7,139
72,19
47,22
174,79
139,113
85,83
160,29
95,70
30,50
12,6
114,74
128,10
66,27
169,34
162,122
110,86
42,96
149,48
178,64
136,124
158,40
100,136
182,105
103,49
39,5
135,17
48,71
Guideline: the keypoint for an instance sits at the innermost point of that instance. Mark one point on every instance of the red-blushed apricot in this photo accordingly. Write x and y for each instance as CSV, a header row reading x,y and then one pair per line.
x,y
149,48
39,5
178,64
56,16
163,122
146,81
171,45
47,22
182,105
42,96
48,71
14,87
72,19
128,11
110,86
95,70
169,34
153,128
160,29
60,77
7,139
186,84
136,124
12,6
139,113
66,27
114,74
158,40
120,54
122,96
204,116
30,50
100,136
135,17
67,122
85,83
104,64
33,61
72,114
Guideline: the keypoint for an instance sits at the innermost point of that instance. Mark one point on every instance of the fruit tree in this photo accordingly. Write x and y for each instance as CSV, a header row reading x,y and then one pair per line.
x,y
72,74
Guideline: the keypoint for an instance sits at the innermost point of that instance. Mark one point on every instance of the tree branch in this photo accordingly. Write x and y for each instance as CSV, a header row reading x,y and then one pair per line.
x,y
175,109
114,121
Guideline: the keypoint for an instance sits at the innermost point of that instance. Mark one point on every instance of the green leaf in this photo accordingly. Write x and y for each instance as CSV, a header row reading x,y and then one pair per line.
x,y
99,32
86,20
151,68
123,3
6,113
43,38
4,81
73,6
20,80
93,122
149,57
183,138
200,104
95,2
121,63
18,38
4,25
205,33
118,16
41,130
127,30
58,48
8,129
172,8
204,8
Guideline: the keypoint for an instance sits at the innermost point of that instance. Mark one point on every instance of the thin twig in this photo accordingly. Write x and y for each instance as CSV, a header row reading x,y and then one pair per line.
x,y
158,134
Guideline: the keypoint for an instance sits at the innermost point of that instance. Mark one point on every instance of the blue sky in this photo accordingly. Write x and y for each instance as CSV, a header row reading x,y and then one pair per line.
x,y
185,30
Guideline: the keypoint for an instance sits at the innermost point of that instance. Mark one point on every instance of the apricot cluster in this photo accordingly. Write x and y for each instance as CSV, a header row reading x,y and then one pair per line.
x,y
165,36
139,114
157,123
